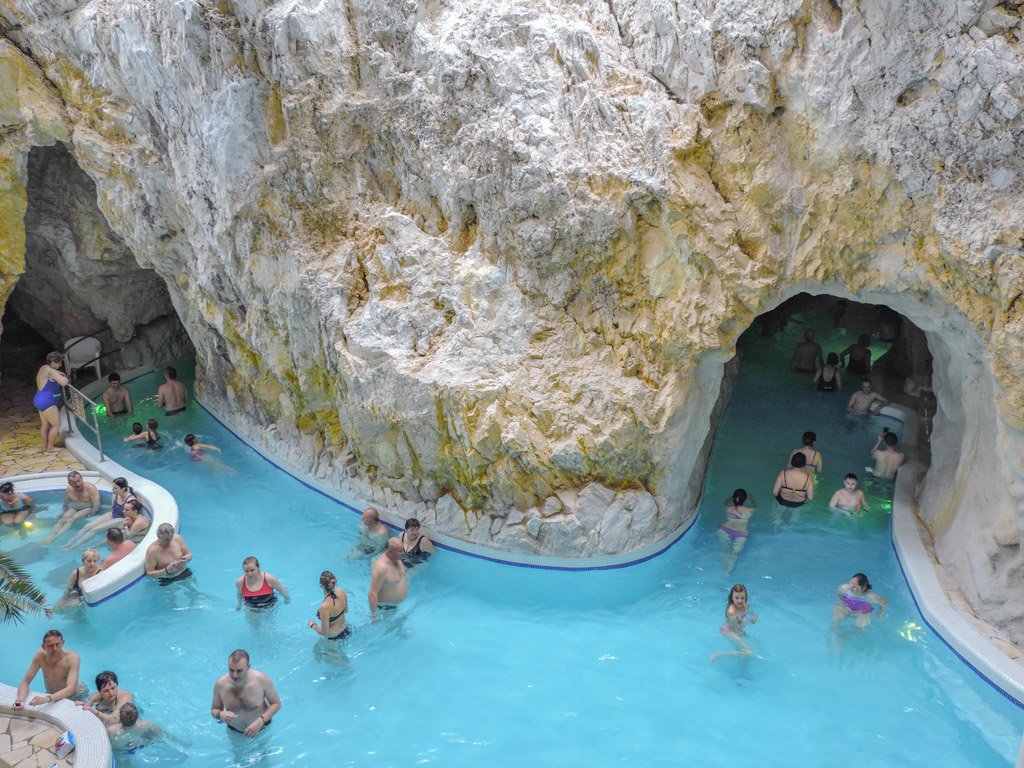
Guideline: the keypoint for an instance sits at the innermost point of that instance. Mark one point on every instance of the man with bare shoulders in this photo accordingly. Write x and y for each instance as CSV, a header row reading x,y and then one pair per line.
x,y
245,698
81,499
866,401
888,458
117,398
388,585
60,673
373,535
172,395
168,557
807,356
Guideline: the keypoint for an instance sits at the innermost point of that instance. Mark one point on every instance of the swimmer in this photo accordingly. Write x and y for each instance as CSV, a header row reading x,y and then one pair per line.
x,y
172,395
129,733
793,486
168,557
855,598
81,499
47,400
108,699
813,457
150,438
889,458
196,449
737,616
245,699
388,585
373,535
331,623
865,401
256,588
14,506
60,673
121,493
849,499
733,533
72,597
417,546
858,356
827,378
116,398
807,356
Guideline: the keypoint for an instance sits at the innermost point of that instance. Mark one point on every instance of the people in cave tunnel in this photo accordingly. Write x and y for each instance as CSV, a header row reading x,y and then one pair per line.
x,y
807,355
856,358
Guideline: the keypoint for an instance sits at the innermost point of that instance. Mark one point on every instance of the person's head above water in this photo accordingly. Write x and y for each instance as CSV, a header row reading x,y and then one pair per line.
x,y
809,334
799,461
128,714
739,497
809,438
171,373
136,428
737,595
861,581
890,439
151,424
190,440
832,359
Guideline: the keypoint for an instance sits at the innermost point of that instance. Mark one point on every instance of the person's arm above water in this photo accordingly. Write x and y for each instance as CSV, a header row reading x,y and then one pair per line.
x,y
778,483
93,495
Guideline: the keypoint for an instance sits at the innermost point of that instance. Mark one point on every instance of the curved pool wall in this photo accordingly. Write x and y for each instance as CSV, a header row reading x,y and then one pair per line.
x,y
155,498
92,747
970,645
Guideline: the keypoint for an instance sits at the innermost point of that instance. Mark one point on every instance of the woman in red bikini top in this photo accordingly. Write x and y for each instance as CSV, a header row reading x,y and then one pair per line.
x,y
256,588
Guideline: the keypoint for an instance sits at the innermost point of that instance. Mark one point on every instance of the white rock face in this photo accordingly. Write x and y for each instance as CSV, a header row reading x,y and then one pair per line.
x,y
483,255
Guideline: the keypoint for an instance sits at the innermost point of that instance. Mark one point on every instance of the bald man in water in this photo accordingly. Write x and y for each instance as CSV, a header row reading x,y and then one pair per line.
x,y
388,585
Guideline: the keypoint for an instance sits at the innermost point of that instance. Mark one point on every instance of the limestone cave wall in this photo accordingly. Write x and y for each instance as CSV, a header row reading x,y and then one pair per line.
x,y
485,262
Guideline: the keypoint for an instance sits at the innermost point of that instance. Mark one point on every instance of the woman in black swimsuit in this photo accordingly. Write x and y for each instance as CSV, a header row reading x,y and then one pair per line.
x,y
331,612
72,597
793,486
859,354
827,377
418,546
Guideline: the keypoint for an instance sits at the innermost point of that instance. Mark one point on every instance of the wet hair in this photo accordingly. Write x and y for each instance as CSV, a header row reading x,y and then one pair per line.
x,y
373,513
129,714
7,487
87,551
151,424
134,504
190,439
412,522
121,482
732,591
250,559
865,380
328,580
74,473
115,535
798,461
238,654
164,528
172,373
832,359
862,581
114,377
136,428
105,677
890,439
55,357
809,438
739,496
52,633
851,476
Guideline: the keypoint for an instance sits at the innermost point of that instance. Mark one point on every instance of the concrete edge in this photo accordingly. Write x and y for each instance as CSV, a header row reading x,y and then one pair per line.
x,y
92,747
920,573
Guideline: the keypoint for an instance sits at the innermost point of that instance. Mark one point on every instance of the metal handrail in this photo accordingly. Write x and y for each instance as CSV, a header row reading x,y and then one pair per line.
x,y
75,402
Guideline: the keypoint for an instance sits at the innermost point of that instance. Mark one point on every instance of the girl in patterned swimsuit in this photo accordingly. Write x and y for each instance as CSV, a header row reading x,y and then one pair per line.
x,y
737,616
733,533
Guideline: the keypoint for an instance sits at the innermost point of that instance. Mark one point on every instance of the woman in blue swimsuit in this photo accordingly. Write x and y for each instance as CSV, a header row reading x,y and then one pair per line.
x,y
49,380
14,506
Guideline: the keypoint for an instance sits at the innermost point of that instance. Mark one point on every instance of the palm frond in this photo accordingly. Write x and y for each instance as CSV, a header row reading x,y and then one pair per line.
x,y
18,595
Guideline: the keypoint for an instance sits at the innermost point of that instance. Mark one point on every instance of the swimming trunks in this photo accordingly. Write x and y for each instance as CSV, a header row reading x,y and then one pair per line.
x,y
175,411
786,502
732,533
259,598
827,386
414,556
857,604
47,397
164,581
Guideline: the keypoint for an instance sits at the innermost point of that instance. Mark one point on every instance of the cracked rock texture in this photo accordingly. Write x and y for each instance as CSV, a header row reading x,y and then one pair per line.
x,y
484,262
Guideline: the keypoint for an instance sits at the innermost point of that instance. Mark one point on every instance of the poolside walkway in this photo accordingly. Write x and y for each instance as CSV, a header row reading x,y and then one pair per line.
x,y
21,449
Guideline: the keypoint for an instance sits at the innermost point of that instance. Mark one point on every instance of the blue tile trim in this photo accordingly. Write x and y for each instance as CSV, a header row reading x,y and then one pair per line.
x,y
112,595
1013,699
448,547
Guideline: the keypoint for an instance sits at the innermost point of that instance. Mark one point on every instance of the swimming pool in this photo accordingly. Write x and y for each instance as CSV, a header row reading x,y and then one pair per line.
x,y
489,664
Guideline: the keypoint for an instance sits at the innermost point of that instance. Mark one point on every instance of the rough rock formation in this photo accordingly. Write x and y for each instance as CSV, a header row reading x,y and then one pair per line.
x,y
490,258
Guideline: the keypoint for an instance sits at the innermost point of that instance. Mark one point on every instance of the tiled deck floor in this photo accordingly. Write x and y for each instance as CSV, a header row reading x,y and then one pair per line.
x,y
21,447
28,743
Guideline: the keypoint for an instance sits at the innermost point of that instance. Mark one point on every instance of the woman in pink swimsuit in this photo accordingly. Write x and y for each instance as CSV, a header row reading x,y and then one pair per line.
x,y
733,533
855,598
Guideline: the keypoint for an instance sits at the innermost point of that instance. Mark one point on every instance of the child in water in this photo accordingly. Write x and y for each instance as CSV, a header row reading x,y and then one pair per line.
x,y
737,615
198,450
855,598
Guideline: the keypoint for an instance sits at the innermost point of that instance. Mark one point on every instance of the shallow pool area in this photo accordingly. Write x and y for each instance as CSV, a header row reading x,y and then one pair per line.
x,y
494,664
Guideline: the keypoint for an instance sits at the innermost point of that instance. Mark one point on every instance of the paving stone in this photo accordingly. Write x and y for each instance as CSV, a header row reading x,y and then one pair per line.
x,y
26,729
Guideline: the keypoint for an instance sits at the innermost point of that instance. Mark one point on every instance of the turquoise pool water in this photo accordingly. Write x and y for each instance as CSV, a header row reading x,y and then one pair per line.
x,y
495,665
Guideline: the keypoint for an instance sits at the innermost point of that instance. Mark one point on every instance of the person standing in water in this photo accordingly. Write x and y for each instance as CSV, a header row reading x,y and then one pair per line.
x,y
330,621
812,465
849,499
172,395
793,485
807,356
47,400
256,588
117,398
888,459
733,533
827,378
737,616
858,356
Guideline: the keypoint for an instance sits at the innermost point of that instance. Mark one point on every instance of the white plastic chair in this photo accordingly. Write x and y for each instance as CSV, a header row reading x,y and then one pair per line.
x,y
82,351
